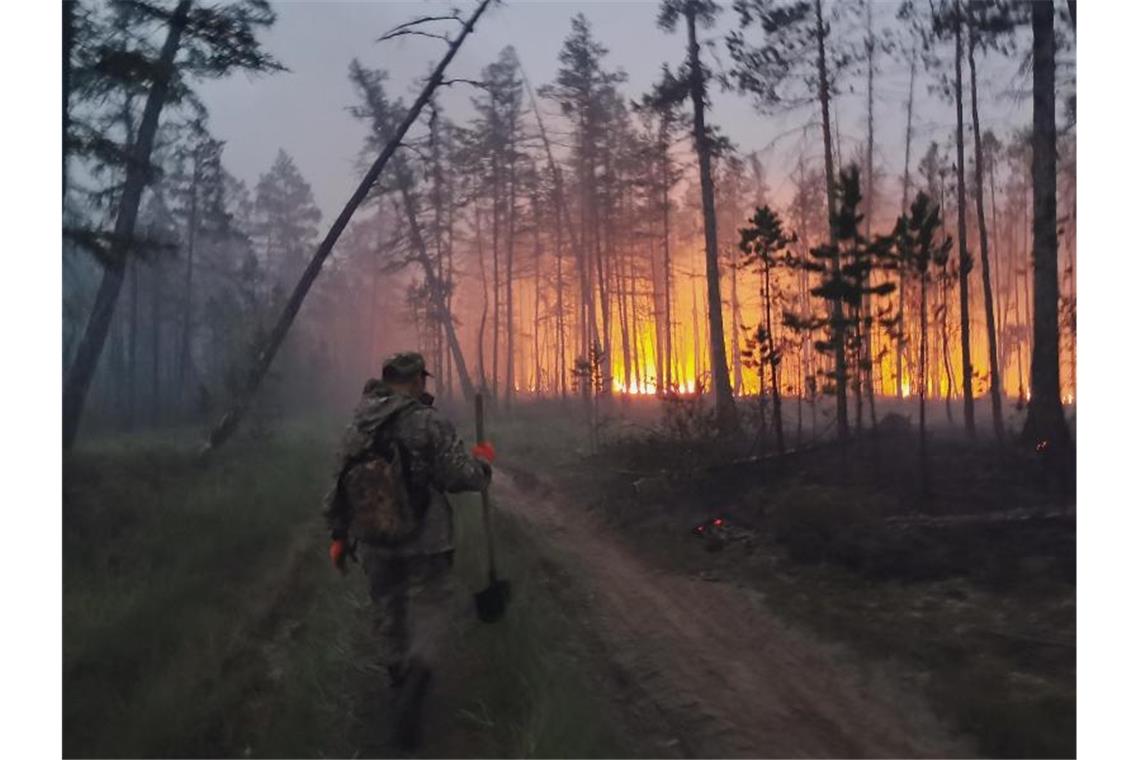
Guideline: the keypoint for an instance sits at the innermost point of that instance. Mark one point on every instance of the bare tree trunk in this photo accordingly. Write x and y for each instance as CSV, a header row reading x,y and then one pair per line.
x,y
737,364
924,467
563,223
155,345
496,216
132,360
623,324
229,422
987,291
773,362
1045,425
964,262
83,367
188,282
867,345
901,343
69,7
483,314
722,389
670,377
560,316
512,178
537,288
946,348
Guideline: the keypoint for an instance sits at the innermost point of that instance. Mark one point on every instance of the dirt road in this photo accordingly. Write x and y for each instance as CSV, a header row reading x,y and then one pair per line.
x,y
711,671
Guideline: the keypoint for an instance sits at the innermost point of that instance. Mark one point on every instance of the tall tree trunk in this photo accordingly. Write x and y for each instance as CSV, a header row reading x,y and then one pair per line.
x,y
722,389
1000,307
229,422
133,350
509,282
483,313
983,241
69,7
867,345
773,361
924,467
737,363
1045,425
964,262
156,345
82,369
838,327
496,238
560,316
564,223
949,370
901,342
188,281
537,358
670,378
601,262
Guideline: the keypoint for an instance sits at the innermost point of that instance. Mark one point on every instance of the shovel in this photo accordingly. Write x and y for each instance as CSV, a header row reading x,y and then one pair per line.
x,y
491,602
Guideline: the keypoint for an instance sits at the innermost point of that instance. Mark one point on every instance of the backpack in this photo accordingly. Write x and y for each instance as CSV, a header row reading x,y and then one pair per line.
x,y
381,507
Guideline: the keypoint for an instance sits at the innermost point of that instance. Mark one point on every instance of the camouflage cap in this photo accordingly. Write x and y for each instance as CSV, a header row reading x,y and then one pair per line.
x,y
404,366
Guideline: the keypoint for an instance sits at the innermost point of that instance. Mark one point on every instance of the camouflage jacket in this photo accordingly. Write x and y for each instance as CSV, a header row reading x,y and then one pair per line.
x,y
437,463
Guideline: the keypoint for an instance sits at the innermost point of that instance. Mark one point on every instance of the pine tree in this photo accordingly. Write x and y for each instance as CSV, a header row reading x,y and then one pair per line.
x,y
200,42
916,247
582,88
766,245
795,49
1045,426
696,77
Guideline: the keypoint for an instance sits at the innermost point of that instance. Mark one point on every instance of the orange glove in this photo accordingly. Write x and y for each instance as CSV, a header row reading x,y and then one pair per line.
x,y
485,451
337,553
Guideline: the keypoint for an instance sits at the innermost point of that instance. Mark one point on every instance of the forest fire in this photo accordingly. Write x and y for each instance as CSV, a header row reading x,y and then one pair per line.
x,y
738,334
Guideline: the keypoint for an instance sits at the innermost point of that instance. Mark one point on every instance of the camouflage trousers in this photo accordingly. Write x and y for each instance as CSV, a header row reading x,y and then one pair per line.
x,y
412,604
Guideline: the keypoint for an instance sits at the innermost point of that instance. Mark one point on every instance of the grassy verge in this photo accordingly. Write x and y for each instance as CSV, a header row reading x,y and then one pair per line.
x,y
201,619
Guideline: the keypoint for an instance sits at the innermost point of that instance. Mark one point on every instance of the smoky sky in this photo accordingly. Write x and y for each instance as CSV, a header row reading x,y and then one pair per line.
x,y
304,111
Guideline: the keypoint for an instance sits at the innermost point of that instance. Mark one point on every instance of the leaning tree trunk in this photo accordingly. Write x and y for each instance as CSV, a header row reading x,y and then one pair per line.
x,y
1045,426
725,404
983,241
86,360
964,264
435,287
226,426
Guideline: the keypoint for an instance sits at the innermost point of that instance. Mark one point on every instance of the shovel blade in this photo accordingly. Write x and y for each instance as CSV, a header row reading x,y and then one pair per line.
x,y
491,602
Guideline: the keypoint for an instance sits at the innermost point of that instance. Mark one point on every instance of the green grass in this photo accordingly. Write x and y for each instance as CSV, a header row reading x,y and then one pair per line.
x,y
201,618
168,569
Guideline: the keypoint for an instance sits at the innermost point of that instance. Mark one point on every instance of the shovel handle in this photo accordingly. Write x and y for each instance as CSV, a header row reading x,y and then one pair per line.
x,y
480,431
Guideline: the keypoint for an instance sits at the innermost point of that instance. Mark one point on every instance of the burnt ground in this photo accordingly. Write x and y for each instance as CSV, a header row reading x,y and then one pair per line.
x,y
957,602
729,676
